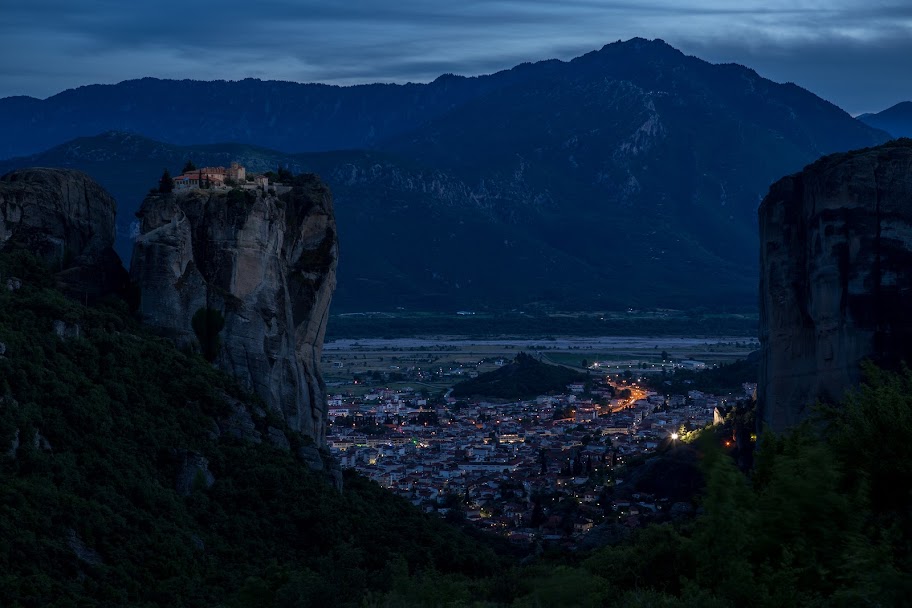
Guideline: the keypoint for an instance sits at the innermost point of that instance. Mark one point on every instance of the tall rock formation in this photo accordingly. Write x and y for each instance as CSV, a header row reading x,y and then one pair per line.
x,y
268,264
68,220
835,277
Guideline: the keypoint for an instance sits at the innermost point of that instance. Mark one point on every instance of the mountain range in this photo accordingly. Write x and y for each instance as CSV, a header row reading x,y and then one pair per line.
x,y
895,120
627,177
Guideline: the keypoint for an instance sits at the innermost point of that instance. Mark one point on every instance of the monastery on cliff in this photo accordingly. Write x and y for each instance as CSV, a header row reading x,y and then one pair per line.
x,y
216,177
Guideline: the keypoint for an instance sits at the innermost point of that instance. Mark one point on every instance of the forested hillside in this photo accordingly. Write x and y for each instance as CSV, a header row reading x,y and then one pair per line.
x,y
123,483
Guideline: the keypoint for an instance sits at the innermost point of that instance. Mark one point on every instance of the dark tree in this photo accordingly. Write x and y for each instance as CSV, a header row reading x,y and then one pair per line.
x,y
284,175
538,515
166,183
188,167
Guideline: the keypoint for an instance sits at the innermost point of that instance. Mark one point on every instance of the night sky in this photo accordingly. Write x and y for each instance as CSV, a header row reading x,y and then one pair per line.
x,y
855,53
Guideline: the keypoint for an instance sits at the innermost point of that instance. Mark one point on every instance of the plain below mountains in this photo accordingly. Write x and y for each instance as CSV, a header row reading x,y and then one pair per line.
x,y
628,177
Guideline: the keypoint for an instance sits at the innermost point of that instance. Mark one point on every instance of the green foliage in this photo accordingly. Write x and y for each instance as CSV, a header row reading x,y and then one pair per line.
x,y
563,586
809,529
116,408
656,559
283,175
525,377
207,323
727,378
166,183
236,196
239,196
867,430
25,265
90,515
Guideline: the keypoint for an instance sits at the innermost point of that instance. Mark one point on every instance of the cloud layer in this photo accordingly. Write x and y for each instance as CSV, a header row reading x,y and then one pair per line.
x,y
851,52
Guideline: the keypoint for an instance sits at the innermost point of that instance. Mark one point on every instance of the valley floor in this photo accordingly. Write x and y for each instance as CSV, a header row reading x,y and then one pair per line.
x,y
550,468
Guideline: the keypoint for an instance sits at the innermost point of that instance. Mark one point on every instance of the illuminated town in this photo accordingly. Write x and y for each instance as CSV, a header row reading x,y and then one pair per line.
x,y
545,469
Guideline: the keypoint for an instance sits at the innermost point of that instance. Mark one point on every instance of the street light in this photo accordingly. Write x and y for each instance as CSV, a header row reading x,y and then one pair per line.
x,y
674,436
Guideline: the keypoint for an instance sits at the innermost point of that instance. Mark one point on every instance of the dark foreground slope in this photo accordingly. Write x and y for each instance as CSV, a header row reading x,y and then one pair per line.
x,y
130,476
122,485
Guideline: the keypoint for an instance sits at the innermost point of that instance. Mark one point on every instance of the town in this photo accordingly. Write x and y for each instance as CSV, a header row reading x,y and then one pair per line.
x,y
547,469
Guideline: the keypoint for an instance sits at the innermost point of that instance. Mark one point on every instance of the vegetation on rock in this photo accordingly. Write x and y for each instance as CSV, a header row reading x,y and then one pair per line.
x,y
166,183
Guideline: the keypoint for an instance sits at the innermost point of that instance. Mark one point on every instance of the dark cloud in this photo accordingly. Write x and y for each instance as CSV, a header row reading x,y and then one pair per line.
x,y
851,52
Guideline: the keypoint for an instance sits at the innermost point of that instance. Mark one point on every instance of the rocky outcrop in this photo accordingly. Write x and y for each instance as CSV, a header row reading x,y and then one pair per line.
x,y
836,278
67,219
83,552
193,473
267,264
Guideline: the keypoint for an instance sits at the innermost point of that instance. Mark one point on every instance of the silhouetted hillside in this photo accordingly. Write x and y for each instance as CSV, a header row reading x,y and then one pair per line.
x,y
524,378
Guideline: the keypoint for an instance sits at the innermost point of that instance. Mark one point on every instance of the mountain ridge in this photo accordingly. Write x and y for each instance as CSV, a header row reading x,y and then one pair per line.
x,y
355,176
330,135
896,120
618,179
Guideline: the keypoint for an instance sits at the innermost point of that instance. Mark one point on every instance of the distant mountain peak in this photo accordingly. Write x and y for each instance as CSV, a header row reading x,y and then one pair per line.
x,y
641,44
902,106
449,76
895,120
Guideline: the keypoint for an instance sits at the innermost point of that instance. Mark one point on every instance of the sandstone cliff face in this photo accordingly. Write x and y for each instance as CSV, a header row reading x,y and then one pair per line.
x,y
268,264
836,277
66,218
